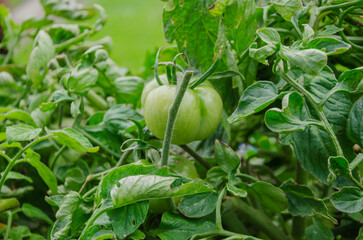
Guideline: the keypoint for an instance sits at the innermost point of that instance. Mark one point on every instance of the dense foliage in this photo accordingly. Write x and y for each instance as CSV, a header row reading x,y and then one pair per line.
x,y
77,160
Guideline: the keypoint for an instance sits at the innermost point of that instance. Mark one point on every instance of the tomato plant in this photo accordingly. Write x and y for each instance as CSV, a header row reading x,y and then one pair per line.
x,y
247,126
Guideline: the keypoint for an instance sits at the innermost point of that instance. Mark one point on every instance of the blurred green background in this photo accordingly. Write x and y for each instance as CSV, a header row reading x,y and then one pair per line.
x,y
135,27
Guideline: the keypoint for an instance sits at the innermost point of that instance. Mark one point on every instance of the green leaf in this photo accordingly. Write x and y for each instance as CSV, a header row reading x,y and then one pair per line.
x,y
62,226
308,34
35,236
73,139
350,81
181,23
43,52
127,219
44,172
218,7
69,10
33,212
269,196
176,227
289,118
330,46
116,119
124,171
329,30
216,176
312,61
17,176
254,99
318,231
16,114
287,8
58,97
128,89
198,205
153,187
349,199
355,123
236,190
302,201
226,158
269,35
260,54
21,132
338,166
19,232
80,81
240,23
96,233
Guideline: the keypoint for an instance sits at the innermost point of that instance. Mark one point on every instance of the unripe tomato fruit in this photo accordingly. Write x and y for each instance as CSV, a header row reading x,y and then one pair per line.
x,y
198,116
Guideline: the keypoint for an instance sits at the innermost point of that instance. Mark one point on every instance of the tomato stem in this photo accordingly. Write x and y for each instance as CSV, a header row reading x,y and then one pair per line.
x,y
209,72
196,156
156,73
173,111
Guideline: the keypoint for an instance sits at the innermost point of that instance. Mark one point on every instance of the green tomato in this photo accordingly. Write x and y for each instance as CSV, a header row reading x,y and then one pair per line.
x,y
198,116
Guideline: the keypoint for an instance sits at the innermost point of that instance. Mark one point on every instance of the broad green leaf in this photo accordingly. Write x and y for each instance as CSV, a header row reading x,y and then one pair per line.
x,y
44,172
254,99
43,52
63,32
338,166
128,170
226,158
19,232
331,46
58,97
218,7
62,226
6,192
137,235
127,219
289,118
183,21
128,89
8,204
269,196
240,23
34,212
198,205
329,30
318,231
176,227
73,139
269,35
236,190
55,200
17,176
35,236
312,61
355,123
21,132
287,8
308,34
302,201
96,233
116,119
349,199
350,81
137,188
69,10
35,22
42,119
16,114
260,54
216,176
81,81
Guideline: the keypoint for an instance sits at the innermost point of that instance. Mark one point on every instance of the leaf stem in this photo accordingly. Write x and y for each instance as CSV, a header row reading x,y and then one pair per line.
x,y
8,226
196,156
339,6
219,233
258,219
17,156
173,111
219,209
320,113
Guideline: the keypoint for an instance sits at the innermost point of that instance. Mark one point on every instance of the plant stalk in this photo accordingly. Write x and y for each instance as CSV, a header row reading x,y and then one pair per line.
x,y
8,226
196,156
322,116
298,223
173,111
258,219
219,209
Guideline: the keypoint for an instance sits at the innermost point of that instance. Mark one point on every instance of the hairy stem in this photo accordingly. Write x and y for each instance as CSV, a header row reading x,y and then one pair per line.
x,y
320,113
219,209
196,156
8,226
173,111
